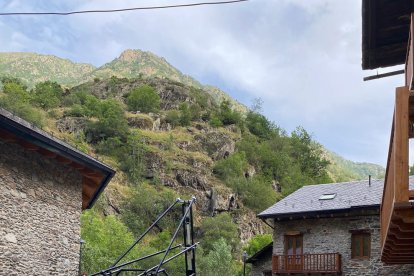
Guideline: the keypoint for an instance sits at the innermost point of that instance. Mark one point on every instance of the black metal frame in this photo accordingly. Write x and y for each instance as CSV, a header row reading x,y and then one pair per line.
x,y
187,248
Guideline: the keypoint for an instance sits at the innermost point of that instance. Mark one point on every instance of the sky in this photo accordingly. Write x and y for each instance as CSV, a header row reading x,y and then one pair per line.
x,y
301,57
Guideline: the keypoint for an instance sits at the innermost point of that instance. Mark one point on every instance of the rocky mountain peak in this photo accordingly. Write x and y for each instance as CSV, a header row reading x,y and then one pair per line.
x,y
131,55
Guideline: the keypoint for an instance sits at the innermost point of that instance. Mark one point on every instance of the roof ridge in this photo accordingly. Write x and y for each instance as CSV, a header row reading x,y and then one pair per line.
x,y
346,182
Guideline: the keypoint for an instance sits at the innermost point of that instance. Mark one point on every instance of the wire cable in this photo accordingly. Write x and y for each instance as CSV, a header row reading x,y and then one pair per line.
x,y
124,10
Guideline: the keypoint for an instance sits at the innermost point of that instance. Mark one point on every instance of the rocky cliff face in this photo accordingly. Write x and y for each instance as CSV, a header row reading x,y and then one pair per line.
x,y
181,158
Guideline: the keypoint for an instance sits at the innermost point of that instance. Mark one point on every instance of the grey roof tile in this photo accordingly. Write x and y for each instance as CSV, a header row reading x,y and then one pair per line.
x,y
348,195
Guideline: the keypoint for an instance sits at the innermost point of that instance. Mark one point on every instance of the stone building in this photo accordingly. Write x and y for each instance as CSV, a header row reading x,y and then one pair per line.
x,y
329,229
262,261
44,186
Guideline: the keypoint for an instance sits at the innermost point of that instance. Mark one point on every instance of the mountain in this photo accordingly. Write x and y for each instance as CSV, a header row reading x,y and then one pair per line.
x,y
342,169
32,68
167,136
133,63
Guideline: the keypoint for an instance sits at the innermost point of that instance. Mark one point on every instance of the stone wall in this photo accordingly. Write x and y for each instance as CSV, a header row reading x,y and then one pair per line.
x,y
40,207
331,235
264,264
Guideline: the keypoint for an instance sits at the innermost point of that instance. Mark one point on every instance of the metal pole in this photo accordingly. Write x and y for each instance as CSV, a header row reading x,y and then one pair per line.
x,y
168,260
175,234
244,257
146,231
389,74
119,267
80,256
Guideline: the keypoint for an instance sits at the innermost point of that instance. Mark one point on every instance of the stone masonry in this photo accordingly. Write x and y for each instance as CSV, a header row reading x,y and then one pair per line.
x,y
332,235
40,207
264,264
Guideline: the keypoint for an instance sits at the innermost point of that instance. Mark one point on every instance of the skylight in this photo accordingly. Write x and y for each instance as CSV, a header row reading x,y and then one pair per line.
x,y
327,196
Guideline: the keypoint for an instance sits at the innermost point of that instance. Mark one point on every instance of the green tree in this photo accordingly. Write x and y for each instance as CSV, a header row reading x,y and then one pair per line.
x,y
83,104
215,120
259,125
256,243
106,239
173,117
256,192
218,261
220,226
132,158
47,94
233,166
144,99
148,200
308,154
15,98
111,121
185,114
227,115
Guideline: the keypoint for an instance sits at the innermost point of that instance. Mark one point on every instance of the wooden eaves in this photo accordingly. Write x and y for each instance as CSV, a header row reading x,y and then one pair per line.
x,y
385,29
95,174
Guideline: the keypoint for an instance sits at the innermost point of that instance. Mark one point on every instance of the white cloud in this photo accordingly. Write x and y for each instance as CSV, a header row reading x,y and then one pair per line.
x,y
301,57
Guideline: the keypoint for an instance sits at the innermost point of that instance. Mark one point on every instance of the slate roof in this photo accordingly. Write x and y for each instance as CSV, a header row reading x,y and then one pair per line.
x,y
267,250
349,196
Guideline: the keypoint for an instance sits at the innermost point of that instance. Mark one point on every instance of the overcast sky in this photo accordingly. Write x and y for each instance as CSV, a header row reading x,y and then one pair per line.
x,y
301,57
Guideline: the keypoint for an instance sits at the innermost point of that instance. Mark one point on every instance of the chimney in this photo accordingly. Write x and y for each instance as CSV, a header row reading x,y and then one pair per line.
x,y
369,180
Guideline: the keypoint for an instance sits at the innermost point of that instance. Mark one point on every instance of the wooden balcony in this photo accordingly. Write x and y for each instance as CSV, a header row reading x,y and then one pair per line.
x,y
329,263
397,211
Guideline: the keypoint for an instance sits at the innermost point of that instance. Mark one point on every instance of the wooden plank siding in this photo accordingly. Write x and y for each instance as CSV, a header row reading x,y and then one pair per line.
x,y
397,213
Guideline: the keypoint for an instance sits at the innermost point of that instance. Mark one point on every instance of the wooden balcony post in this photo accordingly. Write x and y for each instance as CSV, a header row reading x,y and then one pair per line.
x,y
400,147
275,264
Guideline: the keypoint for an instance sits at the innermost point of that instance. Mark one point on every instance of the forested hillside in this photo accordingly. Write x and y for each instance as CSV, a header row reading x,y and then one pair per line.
x,y
168,138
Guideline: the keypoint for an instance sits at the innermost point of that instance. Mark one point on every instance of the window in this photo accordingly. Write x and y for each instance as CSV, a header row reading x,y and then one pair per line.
x,y
361,245
327,196
293,251
293,244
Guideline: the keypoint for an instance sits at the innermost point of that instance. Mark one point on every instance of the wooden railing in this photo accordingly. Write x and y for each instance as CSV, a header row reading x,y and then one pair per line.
x,y
307,263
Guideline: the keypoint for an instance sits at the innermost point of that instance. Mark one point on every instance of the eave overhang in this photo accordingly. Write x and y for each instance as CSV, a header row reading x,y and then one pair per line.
x,y
96,175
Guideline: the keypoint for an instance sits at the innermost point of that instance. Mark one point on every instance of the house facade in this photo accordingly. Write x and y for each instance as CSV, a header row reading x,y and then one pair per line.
x,y
262,261
329,229
44,186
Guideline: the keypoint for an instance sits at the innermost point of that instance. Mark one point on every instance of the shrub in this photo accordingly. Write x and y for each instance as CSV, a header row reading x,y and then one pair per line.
x,y
132,158
218,261
220,226
215,121
47,94
227,115
16,99
233,166
111,121
256,193
144,99
146,199
186,115
173,117
259,125
106,238
257,242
